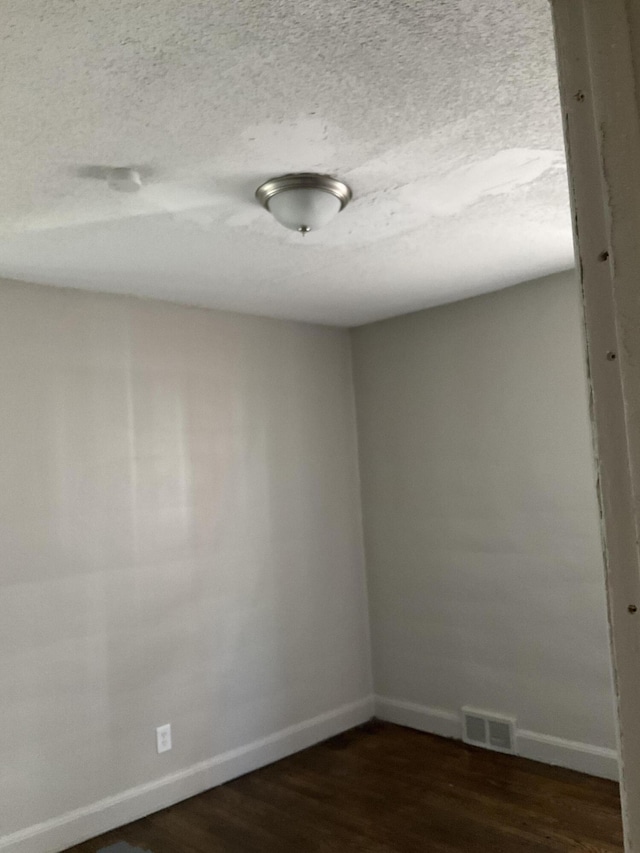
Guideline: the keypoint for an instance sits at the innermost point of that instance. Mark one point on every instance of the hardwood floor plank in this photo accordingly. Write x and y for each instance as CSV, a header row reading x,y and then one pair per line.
x,y
385,789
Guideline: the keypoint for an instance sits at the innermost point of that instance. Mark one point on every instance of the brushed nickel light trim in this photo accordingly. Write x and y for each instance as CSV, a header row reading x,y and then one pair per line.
x,y
304,180
304,201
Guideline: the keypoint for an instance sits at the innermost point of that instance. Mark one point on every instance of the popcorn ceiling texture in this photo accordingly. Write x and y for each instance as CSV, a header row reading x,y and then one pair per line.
x,y
443,116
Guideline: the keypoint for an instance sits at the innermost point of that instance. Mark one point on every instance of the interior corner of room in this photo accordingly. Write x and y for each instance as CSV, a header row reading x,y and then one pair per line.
x,y
263,485
183,541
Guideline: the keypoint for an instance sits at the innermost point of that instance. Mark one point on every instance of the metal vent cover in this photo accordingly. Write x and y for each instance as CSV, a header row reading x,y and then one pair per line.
x,y
492,731
475,729
500,735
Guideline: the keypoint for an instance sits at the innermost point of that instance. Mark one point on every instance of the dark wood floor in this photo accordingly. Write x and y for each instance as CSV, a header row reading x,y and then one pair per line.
x,y
385,789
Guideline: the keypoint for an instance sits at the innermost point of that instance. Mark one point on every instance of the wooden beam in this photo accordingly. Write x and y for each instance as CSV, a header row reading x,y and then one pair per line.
x,y
598,48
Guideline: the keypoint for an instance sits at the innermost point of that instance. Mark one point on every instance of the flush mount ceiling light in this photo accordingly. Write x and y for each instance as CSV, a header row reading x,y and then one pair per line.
x,y
305,201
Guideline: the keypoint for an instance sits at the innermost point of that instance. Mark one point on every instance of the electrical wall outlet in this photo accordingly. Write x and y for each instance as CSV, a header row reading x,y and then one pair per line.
x,y
163,738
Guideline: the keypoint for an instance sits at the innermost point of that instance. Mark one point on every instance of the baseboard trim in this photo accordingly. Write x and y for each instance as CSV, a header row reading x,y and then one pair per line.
x,y
583,757
594,760
78,825
435,721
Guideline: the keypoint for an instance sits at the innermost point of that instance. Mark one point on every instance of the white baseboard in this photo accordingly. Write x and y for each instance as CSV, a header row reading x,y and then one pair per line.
x,y
435,721
78,825
594,760
583,757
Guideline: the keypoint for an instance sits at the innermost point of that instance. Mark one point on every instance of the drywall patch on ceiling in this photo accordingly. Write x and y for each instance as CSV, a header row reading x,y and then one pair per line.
x,y
442,117
407,208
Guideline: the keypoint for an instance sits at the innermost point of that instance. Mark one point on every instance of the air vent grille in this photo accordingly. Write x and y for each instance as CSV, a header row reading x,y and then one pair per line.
x,y
491,731
500,735
475,729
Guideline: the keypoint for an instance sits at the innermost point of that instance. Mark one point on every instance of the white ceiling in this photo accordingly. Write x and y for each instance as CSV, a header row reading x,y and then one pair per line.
x,y
442,115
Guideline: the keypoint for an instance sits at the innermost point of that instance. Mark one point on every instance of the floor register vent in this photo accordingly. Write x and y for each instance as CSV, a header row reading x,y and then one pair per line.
x,y
492,731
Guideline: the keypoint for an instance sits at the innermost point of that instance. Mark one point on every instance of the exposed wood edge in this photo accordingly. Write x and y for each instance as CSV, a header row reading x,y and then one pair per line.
x,y
597,42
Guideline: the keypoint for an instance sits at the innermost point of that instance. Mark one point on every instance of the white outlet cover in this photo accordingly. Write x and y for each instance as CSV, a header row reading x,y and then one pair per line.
x,y
163,738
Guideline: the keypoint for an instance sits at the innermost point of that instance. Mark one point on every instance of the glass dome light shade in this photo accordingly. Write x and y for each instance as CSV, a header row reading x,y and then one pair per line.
x,y
304,201
304,209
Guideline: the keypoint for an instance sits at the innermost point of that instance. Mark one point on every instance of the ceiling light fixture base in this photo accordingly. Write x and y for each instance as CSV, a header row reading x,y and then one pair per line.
x,y
299,200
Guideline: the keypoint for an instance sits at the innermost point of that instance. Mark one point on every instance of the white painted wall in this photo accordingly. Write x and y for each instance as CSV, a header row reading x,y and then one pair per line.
x,y
180,542
481,521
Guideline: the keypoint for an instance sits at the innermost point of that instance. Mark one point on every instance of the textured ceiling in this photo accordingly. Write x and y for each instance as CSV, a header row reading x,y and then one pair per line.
x,y
442,115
